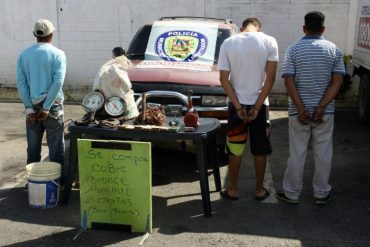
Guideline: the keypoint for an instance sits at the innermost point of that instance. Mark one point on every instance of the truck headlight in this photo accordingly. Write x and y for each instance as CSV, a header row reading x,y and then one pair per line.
x,y
211,100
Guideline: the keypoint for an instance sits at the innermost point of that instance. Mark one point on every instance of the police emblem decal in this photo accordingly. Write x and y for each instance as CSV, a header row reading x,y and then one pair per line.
x,y
181,45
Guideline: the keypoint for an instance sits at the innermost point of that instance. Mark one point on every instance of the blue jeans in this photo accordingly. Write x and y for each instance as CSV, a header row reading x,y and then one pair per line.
x,y
55,139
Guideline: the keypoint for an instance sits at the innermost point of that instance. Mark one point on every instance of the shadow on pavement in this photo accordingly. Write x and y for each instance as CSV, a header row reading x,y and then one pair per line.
x,y
88,238
343,222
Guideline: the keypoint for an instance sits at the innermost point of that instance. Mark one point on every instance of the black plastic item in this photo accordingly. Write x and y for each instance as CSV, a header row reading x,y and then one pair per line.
x,y
85,120
110,226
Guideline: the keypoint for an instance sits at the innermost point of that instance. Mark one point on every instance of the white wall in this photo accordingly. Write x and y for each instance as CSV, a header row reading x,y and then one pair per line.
x,y
16,26
87,30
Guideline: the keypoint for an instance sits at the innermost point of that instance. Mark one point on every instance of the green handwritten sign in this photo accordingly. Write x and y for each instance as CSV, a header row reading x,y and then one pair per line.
x,y
115,183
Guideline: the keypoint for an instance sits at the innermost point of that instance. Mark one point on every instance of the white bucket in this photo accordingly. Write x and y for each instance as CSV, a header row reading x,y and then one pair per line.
x,y
43,184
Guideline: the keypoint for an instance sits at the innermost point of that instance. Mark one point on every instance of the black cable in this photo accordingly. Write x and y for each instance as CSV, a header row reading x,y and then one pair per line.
x,y
86,108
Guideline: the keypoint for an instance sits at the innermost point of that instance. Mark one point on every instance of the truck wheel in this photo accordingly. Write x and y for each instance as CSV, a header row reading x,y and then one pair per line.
x,y
364,99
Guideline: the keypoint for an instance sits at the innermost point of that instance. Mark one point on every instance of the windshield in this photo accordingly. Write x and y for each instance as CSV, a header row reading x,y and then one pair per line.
x,y
139,43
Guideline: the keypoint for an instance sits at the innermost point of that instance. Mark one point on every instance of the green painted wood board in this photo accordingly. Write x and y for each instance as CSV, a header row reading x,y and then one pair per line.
x,y
115,183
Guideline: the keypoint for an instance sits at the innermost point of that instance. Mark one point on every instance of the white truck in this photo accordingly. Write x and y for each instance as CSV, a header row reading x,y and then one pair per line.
x,y
361,58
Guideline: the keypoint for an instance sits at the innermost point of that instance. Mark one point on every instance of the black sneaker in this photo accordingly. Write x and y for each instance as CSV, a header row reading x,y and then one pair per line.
x,y
282,197
322,201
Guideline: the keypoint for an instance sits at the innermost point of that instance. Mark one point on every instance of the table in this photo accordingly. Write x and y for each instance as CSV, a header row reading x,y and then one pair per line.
x,y
204,138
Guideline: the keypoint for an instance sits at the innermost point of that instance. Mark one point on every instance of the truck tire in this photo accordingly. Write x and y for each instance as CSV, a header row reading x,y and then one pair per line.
x,y
364,99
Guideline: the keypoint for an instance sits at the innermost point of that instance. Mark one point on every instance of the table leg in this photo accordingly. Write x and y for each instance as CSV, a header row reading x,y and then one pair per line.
x,y
213,156
202,158
70,169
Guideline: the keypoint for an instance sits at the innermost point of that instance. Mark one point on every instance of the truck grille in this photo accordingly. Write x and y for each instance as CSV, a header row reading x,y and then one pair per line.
x,y
173,101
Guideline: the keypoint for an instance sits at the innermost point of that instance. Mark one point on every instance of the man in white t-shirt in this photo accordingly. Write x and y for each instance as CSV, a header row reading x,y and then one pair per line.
x,y
247,64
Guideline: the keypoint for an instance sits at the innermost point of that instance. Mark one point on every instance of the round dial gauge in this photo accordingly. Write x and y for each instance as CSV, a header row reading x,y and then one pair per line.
x,y
93,101
115,106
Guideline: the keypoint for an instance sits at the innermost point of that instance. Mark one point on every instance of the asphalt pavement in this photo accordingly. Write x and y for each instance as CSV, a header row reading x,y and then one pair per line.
x,y
177,206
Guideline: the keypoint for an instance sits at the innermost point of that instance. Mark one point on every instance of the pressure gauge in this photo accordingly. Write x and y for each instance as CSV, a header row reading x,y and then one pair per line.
x,y
93,101
115,106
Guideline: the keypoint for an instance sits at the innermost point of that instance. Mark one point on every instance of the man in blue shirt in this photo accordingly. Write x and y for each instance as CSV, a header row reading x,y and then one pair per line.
x,y
41,69
313,72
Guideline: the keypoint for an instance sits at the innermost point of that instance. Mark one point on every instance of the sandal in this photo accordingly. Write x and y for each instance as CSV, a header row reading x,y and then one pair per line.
x,y
264,196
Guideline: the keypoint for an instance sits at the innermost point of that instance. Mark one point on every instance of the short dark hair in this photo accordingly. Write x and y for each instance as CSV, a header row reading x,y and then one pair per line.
x,y
118,51
45,39
253,21
314,21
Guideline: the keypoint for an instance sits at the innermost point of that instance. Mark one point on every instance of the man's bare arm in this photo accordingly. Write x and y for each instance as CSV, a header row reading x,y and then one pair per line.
x,y
268,84
266,89
303,114
330,93
229,90
332,90
293,93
